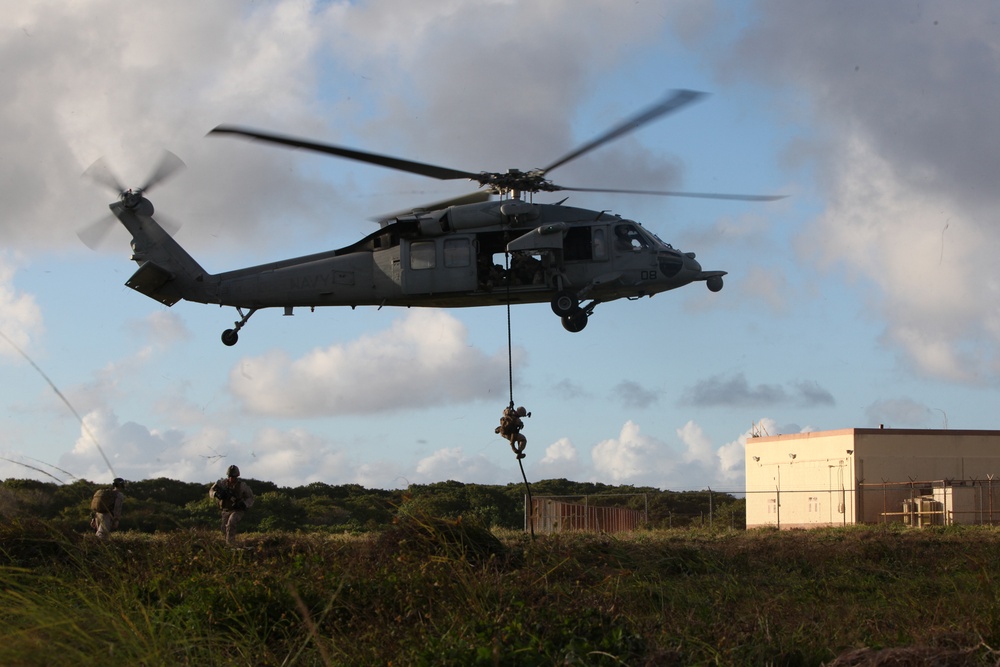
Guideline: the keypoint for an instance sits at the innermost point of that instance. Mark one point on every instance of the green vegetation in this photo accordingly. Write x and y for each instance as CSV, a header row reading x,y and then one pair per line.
x,y
159,505
428,591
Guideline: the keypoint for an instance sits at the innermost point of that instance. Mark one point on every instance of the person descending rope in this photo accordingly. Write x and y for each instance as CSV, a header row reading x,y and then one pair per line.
x,y
510,428
510,422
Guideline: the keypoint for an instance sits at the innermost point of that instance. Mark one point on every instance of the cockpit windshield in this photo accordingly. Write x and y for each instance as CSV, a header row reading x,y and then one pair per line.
x,y
631,236
658,239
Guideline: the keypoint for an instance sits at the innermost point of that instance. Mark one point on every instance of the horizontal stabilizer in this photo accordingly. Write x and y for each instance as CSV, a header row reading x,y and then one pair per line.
x,y
154,281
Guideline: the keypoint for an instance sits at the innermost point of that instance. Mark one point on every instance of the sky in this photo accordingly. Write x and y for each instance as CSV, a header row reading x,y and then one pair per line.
x,y
868,296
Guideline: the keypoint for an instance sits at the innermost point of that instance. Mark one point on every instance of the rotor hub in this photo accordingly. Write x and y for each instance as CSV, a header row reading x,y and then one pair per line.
x,y
131,198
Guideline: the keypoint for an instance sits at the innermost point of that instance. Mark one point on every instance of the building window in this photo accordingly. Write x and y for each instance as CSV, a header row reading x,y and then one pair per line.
x,y
422,255
814,504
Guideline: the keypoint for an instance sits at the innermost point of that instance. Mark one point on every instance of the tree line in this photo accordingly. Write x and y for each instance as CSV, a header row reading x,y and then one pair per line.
x,y
162,504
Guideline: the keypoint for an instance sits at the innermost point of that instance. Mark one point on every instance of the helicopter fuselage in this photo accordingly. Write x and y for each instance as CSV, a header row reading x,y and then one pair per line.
x,y
467,251
481,254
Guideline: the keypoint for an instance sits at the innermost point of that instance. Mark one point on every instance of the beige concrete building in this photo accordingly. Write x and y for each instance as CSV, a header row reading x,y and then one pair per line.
x,y
862,475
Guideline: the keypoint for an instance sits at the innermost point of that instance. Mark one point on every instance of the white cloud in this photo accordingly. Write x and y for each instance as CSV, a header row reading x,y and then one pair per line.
x,y
698,446
636,458
120,92
454,463
20,316
900,98
630,457
292,457
561,452
131,450
424,359
561,460
933,264
162,328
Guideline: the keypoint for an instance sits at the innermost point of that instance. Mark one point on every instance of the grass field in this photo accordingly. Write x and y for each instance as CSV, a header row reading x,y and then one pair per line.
x,y
430,592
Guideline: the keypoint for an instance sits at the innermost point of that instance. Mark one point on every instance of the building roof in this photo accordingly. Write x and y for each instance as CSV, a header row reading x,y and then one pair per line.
x,y
951,433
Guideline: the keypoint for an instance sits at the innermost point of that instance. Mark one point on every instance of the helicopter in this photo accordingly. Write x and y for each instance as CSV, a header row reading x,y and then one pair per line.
x,y
474,250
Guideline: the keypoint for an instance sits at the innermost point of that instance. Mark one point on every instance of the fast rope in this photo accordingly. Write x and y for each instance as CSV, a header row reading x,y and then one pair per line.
x,y
510,423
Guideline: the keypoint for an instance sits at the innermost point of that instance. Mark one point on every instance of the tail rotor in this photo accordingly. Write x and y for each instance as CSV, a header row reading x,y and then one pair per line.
x,y
133,199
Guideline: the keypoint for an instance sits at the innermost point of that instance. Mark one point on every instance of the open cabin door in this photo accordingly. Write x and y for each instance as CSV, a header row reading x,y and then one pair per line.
x,y
434,266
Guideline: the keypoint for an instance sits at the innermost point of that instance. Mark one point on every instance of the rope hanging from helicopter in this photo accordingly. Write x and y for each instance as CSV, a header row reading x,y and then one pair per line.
x,y
510,422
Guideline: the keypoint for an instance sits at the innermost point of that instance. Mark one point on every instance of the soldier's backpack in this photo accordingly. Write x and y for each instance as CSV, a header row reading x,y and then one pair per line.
x,y
103,501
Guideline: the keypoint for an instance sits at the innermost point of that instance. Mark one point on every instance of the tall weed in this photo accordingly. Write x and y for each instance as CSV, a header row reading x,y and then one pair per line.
x,y
430,591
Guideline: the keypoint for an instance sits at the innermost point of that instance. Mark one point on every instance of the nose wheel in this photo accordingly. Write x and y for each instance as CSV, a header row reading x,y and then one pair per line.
x,y
576,320
231,336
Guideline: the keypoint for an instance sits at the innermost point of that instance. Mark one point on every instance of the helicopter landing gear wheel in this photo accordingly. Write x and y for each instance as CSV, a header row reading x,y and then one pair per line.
x,y
231,336
565,303
575,321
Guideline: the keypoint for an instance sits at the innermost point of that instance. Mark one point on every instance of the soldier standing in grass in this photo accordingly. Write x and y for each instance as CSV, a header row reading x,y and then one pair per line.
x,y
234,497
107,508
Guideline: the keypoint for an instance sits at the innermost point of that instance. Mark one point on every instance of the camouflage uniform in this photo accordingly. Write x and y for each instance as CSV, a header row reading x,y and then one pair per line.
x,y
105,522
510,428
234,498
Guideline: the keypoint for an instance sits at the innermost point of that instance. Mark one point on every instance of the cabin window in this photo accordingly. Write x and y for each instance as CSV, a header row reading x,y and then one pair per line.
x,y
457,253
600,244
422,255
577,244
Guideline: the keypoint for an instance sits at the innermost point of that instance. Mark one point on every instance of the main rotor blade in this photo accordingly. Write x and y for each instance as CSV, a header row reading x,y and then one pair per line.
x,y
101,174
673,193
441,173
471,198
168,166
675,101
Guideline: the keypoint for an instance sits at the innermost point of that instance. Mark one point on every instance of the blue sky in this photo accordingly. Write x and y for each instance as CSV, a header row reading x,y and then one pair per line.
x,y
867,297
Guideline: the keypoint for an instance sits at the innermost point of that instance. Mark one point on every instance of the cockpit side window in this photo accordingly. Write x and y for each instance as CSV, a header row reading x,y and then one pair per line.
x,y
628,237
